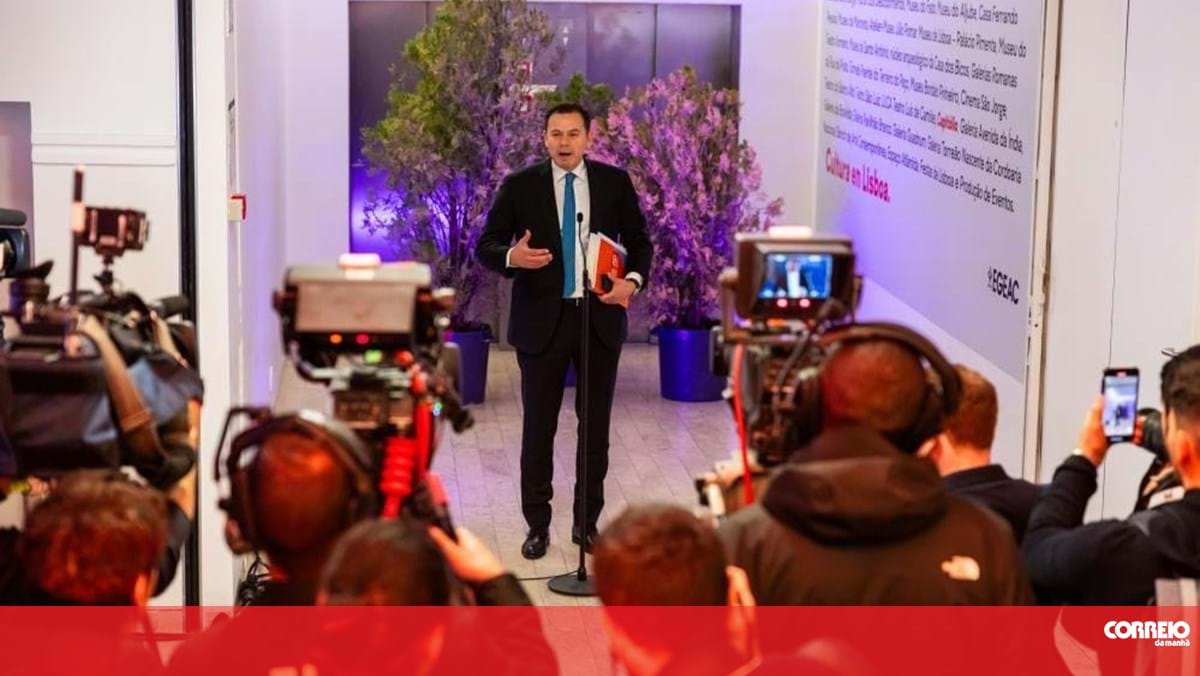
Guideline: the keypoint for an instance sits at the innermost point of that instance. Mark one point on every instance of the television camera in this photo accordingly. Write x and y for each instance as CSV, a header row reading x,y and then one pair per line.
x,y
372,334
787,290
97,379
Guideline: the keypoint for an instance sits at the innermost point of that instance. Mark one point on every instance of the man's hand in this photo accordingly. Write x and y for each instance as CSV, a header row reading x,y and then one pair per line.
x,y
183,493
522,256
1093,443
469,558
622,291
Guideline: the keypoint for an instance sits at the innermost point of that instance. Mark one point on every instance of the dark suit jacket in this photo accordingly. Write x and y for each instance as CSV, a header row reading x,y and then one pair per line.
x,y
991,487
526,201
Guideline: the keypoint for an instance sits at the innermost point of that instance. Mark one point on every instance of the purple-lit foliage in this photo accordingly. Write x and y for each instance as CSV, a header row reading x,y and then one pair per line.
x,y
699,185
450,137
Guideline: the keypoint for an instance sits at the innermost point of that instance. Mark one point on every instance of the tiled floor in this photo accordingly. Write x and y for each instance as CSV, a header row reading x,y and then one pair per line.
x,y
656,448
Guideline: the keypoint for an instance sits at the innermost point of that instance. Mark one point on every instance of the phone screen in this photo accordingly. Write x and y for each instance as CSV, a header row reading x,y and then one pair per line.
x,y
1120,389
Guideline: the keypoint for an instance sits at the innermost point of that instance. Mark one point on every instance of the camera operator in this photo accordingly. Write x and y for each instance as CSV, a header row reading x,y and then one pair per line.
x,y
1116,562
963,455
854,517
302,496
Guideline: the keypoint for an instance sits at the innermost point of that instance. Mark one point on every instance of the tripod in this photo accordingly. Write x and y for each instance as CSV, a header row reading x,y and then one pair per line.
x,y
578,583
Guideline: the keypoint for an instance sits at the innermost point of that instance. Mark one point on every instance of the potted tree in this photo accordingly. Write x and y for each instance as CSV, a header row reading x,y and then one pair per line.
x,y
699,185
447,141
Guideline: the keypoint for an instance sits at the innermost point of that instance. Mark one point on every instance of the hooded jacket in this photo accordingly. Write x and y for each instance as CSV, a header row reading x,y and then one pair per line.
x,y
1107,562
852,520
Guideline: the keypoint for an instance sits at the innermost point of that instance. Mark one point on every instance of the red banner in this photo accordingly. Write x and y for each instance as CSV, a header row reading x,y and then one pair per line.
x,y
576,640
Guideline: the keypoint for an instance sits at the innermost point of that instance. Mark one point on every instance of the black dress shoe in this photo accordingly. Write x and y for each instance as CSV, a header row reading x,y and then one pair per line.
x,y
591,538
536,543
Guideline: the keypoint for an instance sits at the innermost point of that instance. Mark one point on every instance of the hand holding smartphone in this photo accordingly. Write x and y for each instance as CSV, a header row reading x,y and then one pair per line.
x,y
1119,415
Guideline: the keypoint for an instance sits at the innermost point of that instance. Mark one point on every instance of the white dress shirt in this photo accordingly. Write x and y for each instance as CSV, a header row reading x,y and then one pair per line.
x,y
583,205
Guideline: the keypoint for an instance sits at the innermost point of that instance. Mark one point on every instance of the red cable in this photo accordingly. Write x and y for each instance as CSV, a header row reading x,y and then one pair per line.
x,y
747,486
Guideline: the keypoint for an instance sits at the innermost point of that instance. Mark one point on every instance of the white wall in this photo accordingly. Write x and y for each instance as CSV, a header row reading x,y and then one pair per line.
x,y
260,242
316,95
101,81
779,81
1126,215
219,332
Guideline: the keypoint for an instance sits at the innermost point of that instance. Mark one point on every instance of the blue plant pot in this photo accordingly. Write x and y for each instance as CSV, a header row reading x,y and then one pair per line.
x,y
683,365
472,364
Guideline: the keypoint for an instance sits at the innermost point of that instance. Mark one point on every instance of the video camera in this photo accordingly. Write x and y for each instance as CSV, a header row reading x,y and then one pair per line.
x,y
372,333
788,289
97,379
14,241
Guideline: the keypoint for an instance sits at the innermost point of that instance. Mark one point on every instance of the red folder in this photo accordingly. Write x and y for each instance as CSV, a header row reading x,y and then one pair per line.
x,y
604,256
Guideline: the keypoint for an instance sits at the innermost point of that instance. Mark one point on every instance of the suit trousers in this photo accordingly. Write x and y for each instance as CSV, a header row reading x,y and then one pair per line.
x,y
543,378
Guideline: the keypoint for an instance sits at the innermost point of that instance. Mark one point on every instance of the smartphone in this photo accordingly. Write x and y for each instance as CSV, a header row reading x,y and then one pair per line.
x,y
1120,390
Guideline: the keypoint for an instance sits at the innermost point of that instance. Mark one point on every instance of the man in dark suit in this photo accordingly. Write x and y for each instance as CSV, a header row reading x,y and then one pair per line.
x,y
536,233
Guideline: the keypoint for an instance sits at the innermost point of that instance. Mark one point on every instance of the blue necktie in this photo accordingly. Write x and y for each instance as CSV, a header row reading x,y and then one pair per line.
x,y
568,237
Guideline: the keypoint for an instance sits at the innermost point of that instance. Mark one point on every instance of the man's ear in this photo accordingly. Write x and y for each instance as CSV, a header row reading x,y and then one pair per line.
x,y
1187,455
143,588
932,448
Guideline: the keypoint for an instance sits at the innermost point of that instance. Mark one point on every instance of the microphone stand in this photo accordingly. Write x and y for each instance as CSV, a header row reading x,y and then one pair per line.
x,y
577,583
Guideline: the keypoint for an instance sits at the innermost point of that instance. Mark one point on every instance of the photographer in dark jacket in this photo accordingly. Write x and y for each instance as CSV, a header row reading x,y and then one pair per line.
x,y
855,519
1116,562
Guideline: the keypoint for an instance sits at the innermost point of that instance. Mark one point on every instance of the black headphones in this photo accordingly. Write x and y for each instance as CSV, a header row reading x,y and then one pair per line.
x,y
943,387
348,448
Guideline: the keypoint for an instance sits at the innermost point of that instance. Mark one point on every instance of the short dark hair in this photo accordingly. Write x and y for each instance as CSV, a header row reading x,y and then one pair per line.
x,y
974,421
90,540
301,495
567,109
386,563
879,384
1180,380
660,555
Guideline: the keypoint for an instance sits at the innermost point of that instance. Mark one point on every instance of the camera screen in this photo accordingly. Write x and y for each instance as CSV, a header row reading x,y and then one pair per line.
x,y
797,275
1120,404
348,307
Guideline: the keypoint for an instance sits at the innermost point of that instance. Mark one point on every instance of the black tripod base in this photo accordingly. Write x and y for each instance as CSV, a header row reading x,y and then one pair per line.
x,y
572,584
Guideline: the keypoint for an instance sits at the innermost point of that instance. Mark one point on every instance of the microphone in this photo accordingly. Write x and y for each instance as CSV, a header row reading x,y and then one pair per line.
x,y
169,306
12,217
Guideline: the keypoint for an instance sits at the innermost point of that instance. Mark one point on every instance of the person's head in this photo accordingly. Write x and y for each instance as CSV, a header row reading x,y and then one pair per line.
x,y
568,135
663,555
877,384
385,562
1181,414
302,497
96,539
967,435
